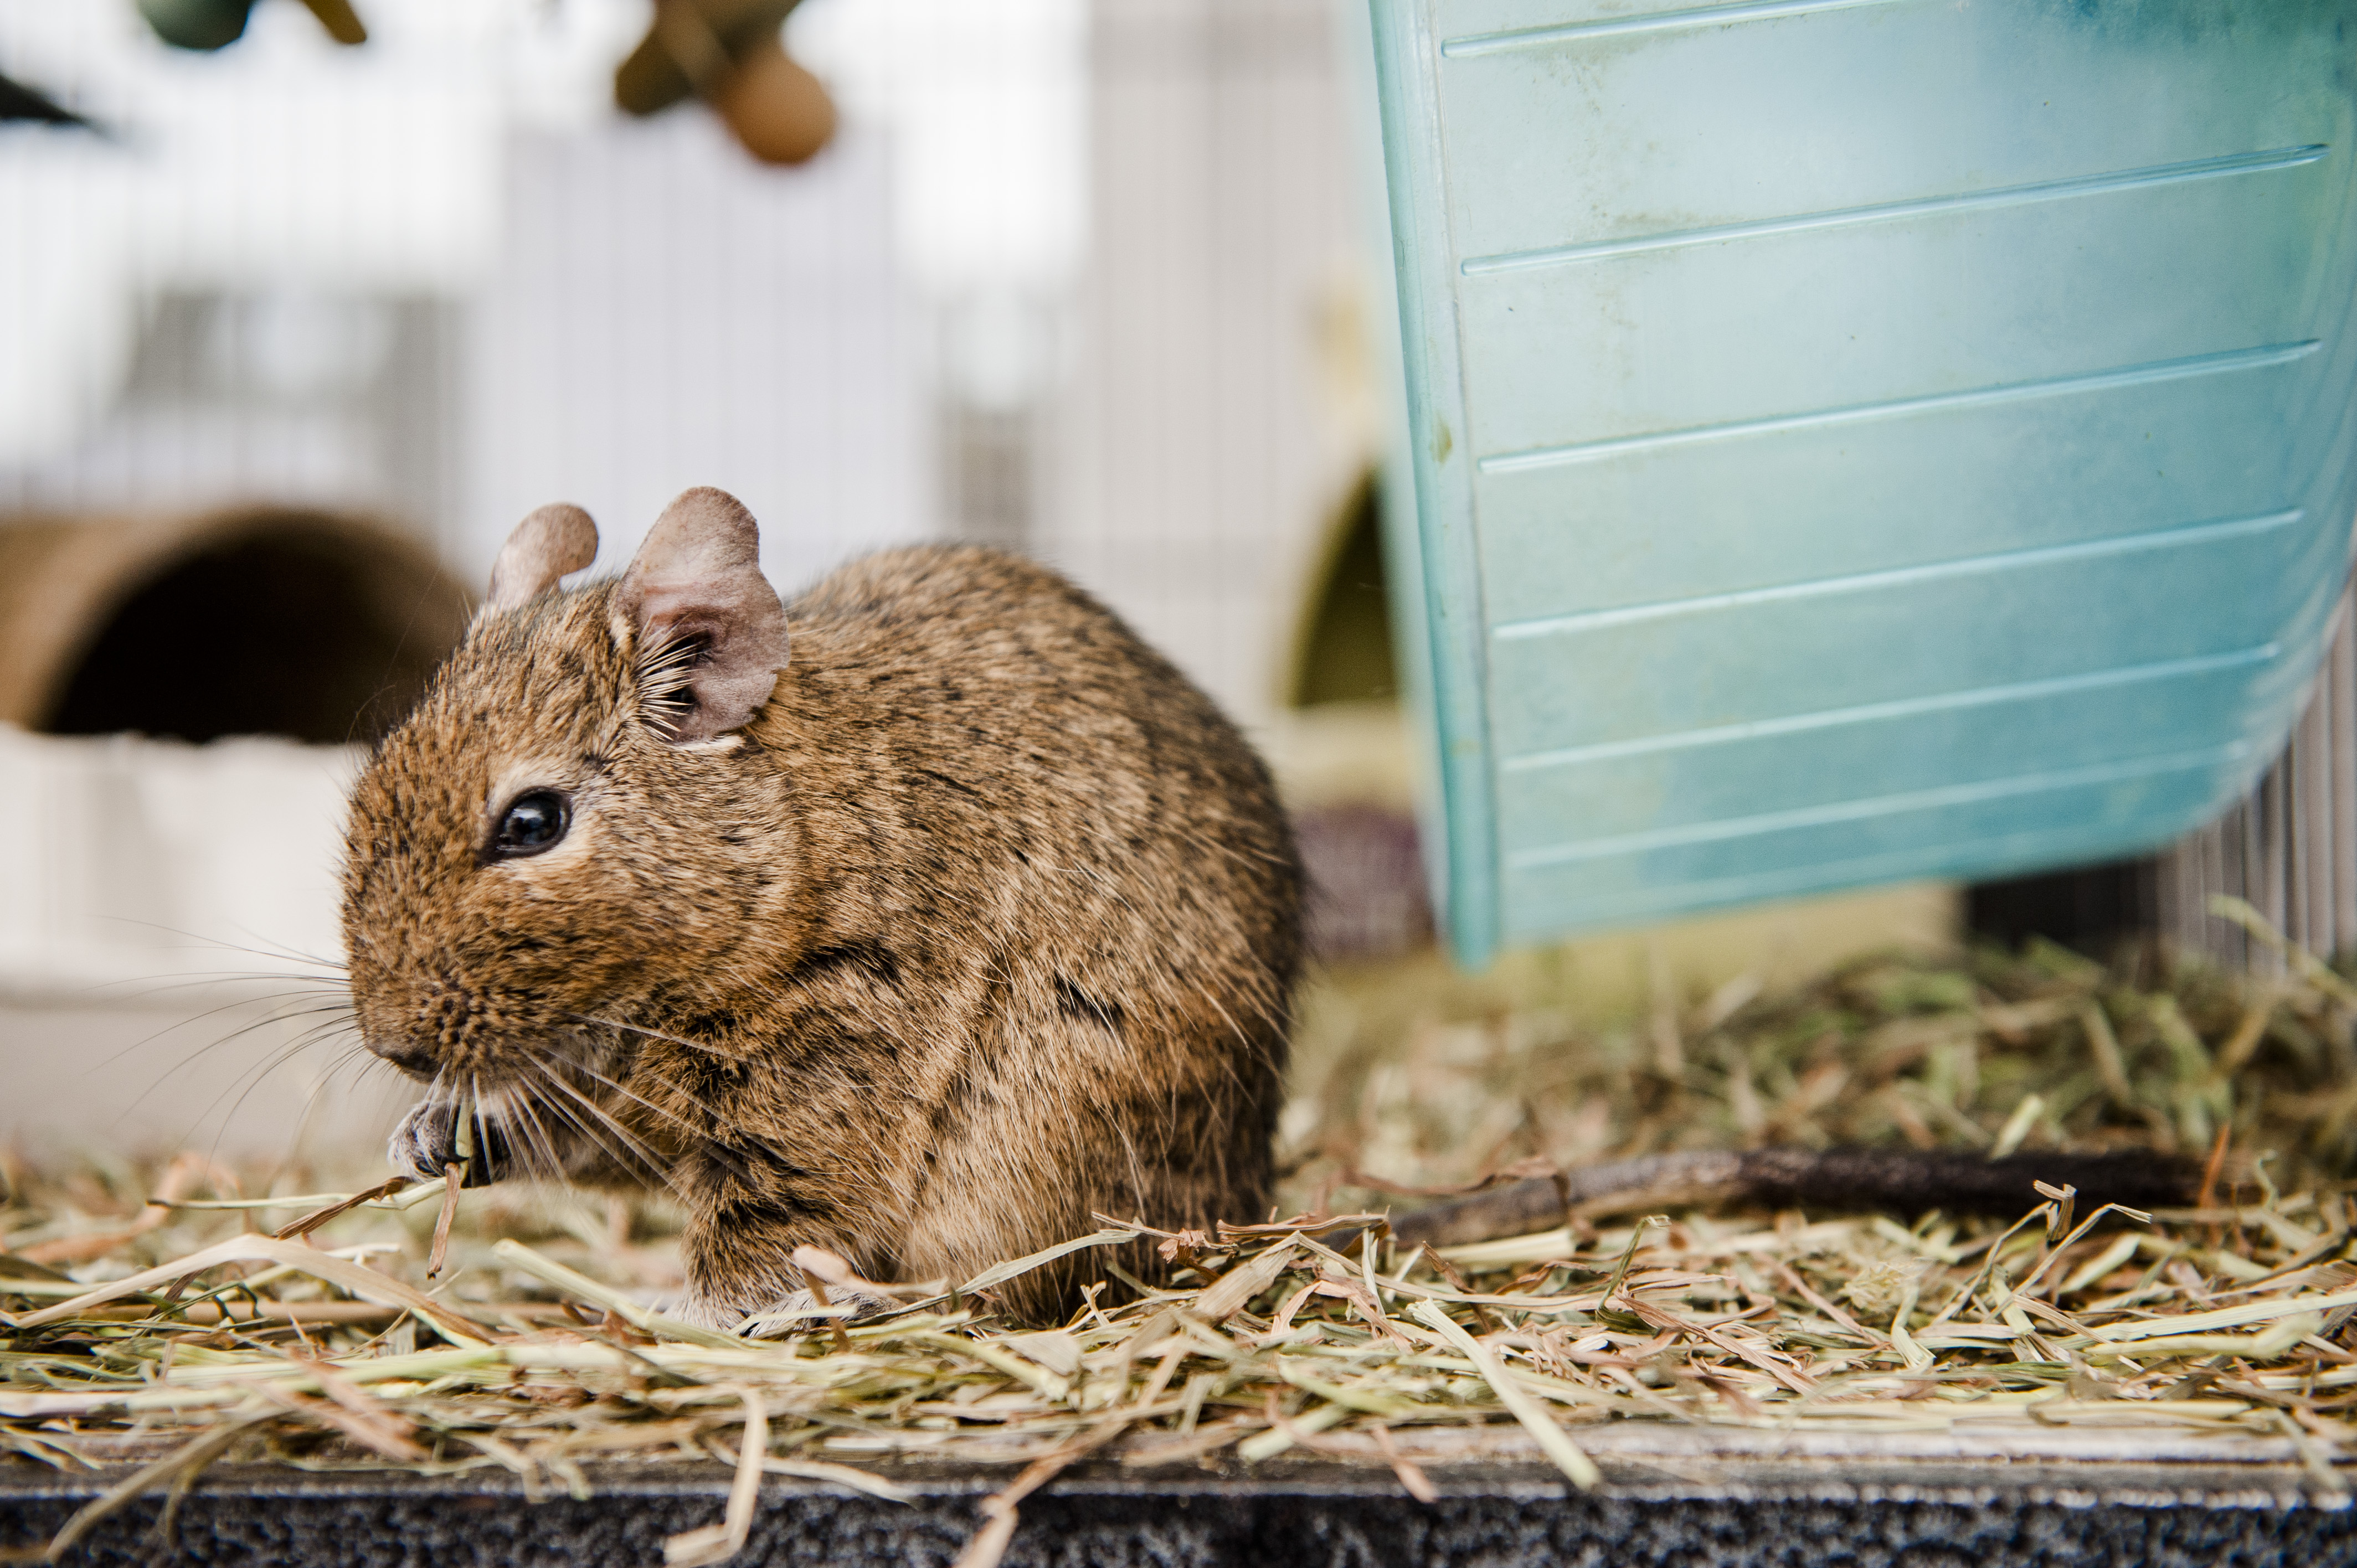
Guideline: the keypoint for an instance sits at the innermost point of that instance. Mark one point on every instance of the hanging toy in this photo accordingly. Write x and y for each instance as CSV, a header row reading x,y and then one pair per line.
x,y
729,53
216,24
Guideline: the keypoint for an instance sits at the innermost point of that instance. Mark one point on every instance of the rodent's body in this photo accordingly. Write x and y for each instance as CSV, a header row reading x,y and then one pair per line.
x,y
984,922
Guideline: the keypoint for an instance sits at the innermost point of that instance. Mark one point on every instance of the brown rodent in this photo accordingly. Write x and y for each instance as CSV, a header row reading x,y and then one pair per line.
x,y
967,921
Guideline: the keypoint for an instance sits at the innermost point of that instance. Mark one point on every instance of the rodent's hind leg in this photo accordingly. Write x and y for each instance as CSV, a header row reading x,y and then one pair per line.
x,y
746,1265
427,1141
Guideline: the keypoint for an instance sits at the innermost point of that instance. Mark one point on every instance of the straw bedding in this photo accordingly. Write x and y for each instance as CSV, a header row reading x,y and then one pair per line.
x,y
162,1315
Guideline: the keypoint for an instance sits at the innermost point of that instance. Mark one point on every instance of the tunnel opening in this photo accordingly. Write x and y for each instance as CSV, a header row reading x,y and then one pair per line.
x,y
1352,808
308,626
1344,651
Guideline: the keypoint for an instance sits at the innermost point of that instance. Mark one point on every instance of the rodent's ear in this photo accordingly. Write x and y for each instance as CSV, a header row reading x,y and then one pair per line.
x,y
711,632
544,546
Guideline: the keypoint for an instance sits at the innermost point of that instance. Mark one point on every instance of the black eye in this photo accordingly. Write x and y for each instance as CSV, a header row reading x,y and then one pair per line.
x,y
534,822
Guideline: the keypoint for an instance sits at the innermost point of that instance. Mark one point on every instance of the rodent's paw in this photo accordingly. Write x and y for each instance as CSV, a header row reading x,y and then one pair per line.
x,y
800,1311
411,1147
427,1141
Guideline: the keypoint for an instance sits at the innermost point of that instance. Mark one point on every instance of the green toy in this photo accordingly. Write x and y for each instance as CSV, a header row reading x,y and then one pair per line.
x,y
211,24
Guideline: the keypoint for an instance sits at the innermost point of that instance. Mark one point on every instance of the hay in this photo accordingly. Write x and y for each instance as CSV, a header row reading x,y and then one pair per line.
x,y
543,1351
1428,1079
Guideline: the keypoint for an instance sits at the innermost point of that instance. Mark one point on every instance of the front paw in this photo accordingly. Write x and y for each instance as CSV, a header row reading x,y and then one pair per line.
x,y
426,1141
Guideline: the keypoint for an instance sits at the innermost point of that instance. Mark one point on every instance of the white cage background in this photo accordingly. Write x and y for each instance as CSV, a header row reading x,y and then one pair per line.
x,y
1080,277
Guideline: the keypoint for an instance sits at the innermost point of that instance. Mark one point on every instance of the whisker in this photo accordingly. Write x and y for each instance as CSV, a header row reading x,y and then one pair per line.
x,y
277,950
633,1146
634,1153
669,1116
186,1061
656,1035
302,1118
248,1079
213,978
275,1016
524,1102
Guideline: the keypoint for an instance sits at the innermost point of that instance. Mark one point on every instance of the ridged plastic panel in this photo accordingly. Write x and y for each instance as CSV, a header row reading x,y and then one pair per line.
x,y
1860,440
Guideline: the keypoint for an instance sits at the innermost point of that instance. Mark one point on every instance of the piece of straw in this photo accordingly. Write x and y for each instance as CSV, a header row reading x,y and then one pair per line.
x,y
1566,1455
720,1543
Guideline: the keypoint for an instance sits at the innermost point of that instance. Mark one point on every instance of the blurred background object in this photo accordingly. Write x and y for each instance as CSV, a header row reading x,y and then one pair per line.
x,y
288,346
217,24
18,101
729,53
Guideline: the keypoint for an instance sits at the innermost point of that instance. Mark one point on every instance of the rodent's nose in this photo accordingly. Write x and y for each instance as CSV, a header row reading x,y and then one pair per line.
x,y
408,1055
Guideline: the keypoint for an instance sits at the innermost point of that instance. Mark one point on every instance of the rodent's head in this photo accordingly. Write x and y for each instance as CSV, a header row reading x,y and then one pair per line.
x,y
554,831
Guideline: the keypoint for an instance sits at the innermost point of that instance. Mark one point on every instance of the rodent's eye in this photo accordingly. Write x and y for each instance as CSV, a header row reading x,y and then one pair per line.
x,y
532,822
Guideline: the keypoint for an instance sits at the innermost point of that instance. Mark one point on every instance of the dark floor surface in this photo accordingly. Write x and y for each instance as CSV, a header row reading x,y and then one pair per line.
x,y
1793,1514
